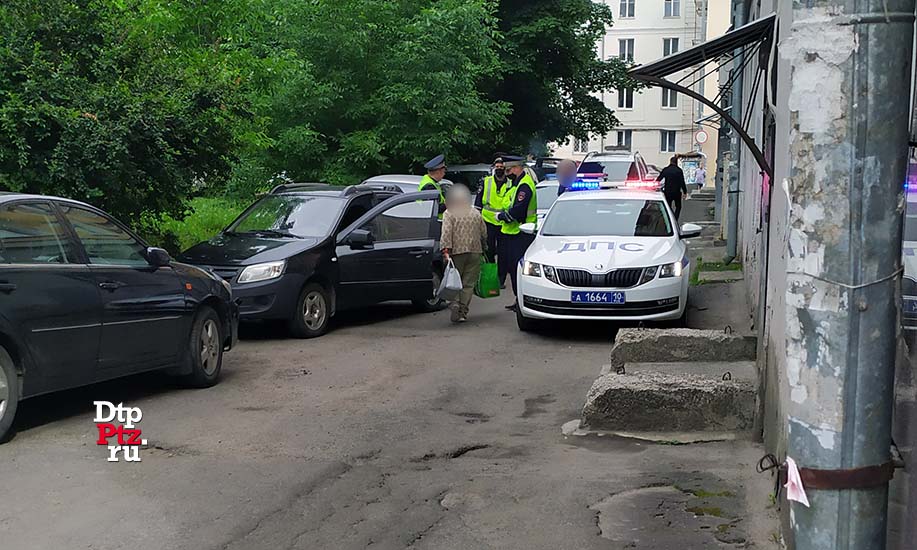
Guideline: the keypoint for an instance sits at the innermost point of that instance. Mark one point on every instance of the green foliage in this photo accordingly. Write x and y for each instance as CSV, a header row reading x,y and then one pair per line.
x,y
551,74
93,110
204,218
138,106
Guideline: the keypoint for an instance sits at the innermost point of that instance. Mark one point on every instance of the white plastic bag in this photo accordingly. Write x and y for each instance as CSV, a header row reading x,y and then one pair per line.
x,y
451,285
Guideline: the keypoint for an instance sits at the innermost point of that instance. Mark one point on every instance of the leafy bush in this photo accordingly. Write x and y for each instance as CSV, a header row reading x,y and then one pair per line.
x,y
204,218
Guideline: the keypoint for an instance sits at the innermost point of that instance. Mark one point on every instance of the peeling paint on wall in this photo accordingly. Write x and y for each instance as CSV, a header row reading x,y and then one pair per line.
x,y
823,47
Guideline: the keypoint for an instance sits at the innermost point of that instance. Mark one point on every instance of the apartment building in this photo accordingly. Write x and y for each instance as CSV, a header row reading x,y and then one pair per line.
x,y
654,121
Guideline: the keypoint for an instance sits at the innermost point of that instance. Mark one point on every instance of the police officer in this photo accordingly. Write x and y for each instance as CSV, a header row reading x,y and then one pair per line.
x,y
436,171
520,206
490,202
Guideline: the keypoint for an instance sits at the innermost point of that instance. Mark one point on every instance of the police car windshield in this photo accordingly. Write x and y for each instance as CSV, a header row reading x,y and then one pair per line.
x,y
614,170
546,196
910,221
608,218
295,216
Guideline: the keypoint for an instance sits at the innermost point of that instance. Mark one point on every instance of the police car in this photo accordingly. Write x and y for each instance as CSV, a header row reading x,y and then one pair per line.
x,y
605,254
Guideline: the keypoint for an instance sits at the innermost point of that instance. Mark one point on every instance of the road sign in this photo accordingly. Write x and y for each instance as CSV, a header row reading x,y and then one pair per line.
x,y
700,136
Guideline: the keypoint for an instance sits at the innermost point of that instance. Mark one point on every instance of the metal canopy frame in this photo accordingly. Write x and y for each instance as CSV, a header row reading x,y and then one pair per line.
x,y
748,38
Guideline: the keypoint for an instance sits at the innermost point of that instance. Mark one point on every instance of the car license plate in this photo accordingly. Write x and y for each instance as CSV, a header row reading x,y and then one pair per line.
x,y
580,297
910,306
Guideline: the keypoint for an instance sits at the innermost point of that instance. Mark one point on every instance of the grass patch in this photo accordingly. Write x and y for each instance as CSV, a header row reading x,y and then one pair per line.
x,y
713,511
204,218
703,493
701,265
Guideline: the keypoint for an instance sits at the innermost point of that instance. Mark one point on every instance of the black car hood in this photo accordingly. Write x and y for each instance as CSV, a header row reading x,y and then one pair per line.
x,y
244,250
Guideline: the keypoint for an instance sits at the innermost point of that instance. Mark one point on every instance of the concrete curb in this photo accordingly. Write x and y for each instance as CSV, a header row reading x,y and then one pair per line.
x,y
680,345
661,402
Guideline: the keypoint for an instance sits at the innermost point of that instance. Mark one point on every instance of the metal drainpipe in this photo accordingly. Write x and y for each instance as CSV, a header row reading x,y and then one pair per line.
x,y
732,228
850,63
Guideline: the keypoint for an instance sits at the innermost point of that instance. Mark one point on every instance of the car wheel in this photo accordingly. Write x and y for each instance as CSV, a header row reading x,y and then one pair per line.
x,y
433,303
9,393
525,324
205,349
312,313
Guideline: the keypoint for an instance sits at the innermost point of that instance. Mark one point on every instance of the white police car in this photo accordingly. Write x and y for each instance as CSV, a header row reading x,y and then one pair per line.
x,y
605,254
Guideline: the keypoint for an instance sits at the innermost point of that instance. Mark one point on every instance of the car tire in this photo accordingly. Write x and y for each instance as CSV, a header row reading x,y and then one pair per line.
x,y
432,304
313,312
525,324
205,349
9,394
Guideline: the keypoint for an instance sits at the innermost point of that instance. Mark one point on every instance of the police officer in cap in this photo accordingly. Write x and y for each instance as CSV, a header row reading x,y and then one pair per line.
x,y
436,171
490,202
520,206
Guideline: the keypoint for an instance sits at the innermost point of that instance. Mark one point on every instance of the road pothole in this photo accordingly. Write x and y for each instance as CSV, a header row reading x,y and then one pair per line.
x,y
535,405
670,517
454,453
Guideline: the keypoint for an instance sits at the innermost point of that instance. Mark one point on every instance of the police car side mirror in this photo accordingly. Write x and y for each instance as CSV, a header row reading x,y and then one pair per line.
x,y
690,231
360,238
529,228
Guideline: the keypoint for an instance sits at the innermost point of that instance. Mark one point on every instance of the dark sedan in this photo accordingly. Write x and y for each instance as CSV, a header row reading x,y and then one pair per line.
x,y
83,299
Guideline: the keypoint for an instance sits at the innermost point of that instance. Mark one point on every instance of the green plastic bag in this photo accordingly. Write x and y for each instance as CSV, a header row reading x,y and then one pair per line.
x,y
488,284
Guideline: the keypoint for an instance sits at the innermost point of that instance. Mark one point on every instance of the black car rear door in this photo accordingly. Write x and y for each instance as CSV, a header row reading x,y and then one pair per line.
x,y
144,316
49,301
397,265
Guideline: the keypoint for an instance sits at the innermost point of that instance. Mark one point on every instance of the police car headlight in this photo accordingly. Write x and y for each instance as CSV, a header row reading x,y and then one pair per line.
x,y
549,273
649,274
531,269
262,272
670,270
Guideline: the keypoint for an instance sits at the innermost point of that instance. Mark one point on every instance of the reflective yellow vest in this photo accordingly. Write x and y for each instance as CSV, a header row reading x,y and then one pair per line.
x,y
426,183
492,200
512,228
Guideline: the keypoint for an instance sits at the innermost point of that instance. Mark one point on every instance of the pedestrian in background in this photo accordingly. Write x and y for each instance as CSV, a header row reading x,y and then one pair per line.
x,y
674,187
463,240
700,177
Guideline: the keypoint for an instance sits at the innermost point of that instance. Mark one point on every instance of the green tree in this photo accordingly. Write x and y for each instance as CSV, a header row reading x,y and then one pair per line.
x,y
92,109
552,76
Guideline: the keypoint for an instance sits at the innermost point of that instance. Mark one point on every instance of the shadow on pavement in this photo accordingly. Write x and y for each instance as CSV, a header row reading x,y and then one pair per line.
x,y
380,313
55,407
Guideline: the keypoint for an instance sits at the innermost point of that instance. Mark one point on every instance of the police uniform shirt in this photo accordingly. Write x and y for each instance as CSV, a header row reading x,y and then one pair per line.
x,y
519,210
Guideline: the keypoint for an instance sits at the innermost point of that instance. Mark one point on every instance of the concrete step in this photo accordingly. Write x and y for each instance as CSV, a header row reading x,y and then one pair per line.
x,y
669,402
720,276
745,371
634,345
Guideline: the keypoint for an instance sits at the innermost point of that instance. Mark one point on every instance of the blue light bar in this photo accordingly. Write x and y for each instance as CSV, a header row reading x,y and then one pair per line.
x,y
585,185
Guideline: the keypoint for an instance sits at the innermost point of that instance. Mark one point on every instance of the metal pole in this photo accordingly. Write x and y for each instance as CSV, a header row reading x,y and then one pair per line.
x,y
732,226
849,63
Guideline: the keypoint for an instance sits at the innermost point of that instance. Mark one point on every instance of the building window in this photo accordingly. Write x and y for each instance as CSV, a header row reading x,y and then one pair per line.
x,y
624,138
669,99
627,9
625,98
669,46
667,141
672,8
626,49
580,145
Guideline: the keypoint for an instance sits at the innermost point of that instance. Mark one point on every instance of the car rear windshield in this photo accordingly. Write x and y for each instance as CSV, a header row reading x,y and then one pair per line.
x,y
614,170
289,216
608,218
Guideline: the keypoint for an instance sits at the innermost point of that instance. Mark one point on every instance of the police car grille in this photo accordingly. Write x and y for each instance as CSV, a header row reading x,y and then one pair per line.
x,y
620,278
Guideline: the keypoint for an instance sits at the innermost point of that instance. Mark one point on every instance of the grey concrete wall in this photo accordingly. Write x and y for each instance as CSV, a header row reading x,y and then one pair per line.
x,y
902,495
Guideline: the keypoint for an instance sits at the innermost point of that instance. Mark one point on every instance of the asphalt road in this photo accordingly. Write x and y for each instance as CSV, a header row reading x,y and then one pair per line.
x,y
396,430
